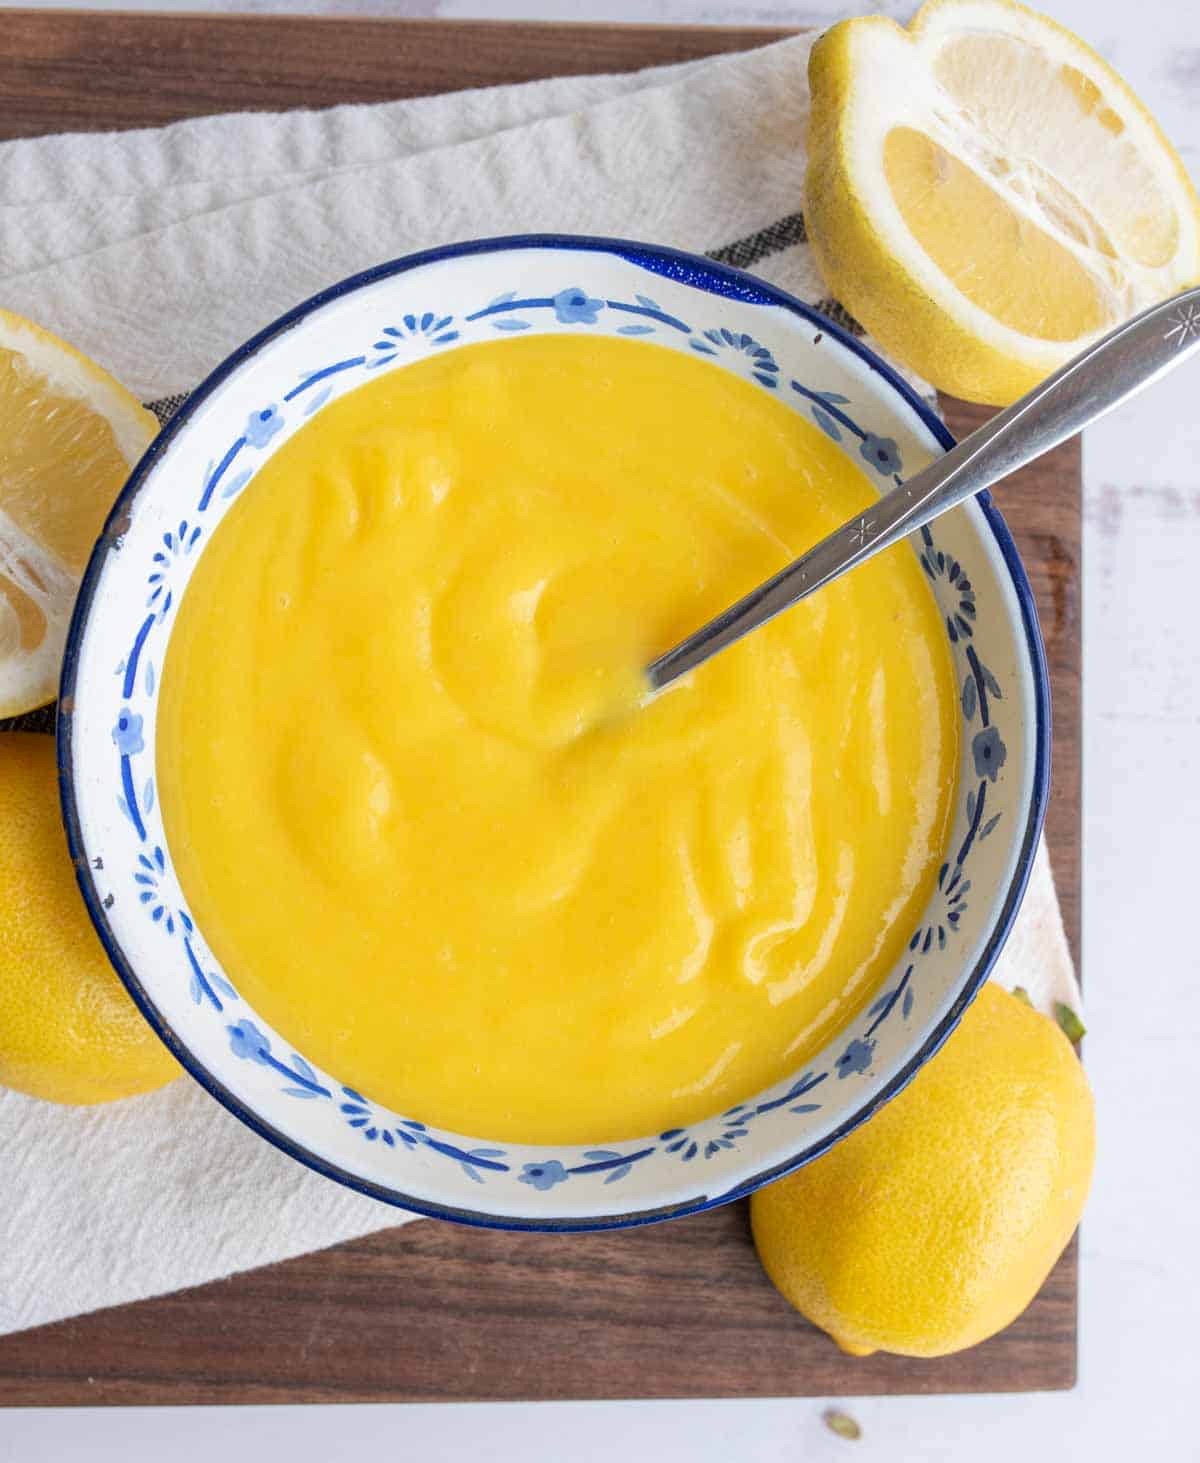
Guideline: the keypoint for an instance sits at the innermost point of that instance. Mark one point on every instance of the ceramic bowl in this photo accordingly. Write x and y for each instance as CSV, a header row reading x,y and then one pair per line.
x,y
164,521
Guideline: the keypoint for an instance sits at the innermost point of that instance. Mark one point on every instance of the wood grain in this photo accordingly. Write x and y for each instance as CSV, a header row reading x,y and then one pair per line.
x,y
434,1311
74,71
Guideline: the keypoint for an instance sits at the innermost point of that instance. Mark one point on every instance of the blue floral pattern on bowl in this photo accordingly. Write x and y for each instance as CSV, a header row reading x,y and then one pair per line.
x,y
853,405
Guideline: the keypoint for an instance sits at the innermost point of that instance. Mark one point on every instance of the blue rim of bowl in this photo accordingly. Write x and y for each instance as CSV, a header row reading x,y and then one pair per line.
x,y
714,278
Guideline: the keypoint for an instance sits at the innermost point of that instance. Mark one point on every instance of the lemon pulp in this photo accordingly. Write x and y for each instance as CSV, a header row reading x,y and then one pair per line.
x,y
418,811
69,434
986,195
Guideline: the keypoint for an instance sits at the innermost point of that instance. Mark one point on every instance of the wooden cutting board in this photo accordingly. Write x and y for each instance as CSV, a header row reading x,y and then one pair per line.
x,y
434,1311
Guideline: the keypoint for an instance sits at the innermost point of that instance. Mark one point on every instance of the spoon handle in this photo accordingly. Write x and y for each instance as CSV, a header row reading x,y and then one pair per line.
x,y
1107,373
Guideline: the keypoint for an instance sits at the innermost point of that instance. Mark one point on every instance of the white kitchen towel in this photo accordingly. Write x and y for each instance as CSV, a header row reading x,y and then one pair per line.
x,y
157,252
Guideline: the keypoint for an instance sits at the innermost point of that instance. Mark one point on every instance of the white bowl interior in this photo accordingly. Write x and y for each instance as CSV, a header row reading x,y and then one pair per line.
x,y
161,530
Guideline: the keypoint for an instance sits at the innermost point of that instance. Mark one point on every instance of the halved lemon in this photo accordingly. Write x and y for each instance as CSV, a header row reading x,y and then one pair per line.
x,y
69,434
986,195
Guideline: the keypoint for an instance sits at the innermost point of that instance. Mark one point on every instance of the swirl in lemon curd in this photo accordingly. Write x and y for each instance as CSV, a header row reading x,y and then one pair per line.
x,y
423,813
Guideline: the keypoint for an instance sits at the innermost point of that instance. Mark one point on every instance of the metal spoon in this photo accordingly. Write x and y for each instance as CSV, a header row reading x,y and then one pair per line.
x,y
1099,378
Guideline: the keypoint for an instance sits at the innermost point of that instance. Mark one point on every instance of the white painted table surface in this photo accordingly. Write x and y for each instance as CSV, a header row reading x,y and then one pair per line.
x,y
1140,1358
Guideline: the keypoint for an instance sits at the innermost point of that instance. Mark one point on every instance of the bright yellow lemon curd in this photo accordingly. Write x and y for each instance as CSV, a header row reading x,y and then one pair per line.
x,y
420,809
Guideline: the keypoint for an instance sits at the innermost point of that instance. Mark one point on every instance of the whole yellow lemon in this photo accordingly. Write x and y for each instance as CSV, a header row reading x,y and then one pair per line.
x,y
68,1029
933,1225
